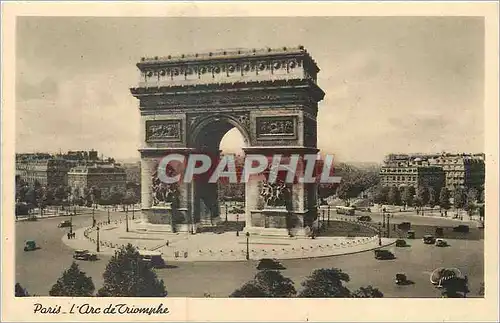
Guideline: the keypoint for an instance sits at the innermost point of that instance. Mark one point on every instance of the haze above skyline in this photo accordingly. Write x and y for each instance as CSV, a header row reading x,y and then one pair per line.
x,y
393,84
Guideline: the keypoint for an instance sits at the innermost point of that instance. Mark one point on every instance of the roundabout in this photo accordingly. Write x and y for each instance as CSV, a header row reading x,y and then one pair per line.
x,y
226,246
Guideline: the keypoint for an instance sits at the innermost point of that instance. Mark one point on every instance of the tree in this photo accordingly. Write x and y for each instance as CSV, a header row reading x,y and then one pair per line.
x,y
368,292
275,284
394,196
345,191
454,287
20,291
444,198
381,195
432,197
126,275
470,200
423,195
407,195
267,283
73,283
250,289
325,283
459,198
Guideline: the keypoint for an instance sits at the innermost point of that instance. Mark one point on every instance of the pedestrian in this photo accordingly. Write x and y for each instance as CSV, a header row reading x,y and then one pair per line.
x,y
168,242
74,235
68,236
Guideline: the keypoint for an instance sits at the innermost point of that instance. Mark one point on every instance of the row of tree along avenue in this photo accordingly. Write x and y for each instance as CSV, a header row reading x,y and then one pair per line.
x,y
66,199
126,275
469,200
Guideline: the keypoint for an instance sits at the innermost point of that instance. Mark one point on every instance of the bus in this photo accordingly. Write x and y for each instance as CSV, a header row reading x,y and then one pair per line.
x,y
347,210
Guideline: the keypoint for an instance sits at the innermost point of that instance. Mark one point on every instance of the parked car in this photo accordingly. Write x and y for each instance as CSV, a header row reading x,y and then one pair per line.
x,y
411,234
401,243
382,254
365,218
441,243
429,239
267,263
64,224
461,228
401,279
152,258
84,255
30,245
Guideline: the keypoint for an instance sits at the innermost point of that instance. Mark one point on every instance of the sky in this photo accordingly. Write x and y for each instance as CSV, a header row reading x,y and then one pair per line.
x,y
393,84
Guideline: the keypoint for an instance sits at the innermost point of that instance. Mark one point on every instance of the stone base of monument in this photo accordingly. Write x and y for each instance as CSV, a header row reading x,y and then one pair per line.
x,y
167,228
273,222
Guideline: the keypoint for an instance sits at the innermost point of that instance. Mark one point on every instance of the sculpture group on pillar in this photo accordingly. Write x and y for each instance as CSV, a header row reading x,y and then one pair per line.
x,y
162,192
275,194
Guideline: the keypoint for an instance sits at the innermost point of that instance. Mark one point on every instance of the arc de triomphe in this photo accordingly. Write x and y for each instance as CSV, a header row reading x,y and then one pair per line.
x,y
189,102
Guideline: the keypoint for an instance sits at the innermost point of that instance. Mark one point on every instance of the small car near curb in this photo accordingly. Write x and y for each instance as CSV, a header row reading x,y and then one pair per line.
x,y
365,218
441,243
64,224
152,258
84,255
382,254
401,243
429,239
271,264
30,245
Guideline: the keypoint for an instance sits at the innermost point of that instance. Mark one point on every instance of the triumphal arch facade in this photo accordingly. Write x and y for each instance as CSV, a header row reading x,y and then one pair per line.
x,y
189,102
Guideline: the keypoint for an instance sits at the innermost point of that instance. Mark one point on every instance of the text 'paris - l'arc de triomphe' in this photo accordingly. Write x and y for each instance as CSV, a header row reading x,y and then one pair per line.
x,y
189,102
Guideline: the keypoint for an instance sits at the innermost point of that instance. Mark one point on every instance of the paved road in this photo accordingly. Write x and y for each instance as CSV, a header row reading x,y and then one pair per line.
x,y
38,270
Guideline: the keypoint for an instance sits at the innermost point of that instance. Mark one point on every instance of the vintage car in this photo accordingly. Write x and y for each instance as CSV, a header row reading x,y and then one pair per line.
x,y
401,279
441,243
84,255
410,234
401,243
267,263
365,218
64,224
429,239
152,258
30,245
382,254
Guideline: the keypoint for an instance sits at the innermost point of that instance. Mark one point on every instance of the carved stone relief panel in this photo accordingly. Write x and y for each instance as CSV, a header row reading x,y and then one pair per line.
x,y
271,128
163,130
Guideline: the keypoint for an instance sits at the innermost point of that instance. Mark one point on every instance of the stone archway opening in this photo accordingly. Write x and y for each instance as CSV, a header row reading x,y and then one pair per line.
x,y
210,200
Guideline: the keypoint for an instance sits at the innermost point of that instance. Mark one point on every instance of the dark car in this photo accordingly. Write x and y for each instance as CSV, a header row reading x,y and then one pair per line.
x,y
401,243
411,234
153,259
267,263
64,224
461,228
365,218
84,255
382,254
30,245
429,239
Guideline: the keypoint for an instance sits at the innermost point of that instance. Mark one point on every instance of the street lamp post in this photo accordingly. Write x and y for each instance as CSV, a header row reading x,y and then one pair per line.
x,y
383,220
133,212
388,227
97,238
237,224
109,219
328,222
225,207
379,235
126,219
93,217
248,250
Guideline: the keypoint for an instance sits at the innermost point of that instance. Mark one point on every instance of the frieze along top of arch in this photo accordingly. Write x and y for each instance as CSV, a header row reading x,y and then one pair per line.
x,y
228,66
